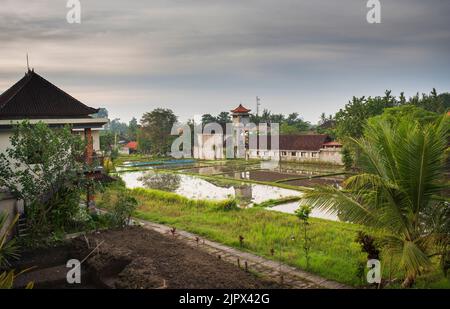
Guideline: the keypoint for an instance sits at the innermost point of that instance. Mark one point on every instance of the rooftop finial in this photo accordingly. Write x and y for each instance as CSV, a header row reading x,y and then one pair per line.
x,y
28,64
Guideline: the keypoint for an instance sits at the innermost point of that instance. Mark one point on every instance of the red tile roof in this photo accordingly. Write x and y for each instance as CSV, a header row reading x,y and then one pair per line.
x,y
132,145
241,110
35,97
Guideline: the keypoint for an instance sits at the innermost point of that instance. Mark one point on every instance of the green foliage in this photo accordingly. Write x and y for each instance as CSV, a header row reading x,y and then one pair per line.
x,y
347,158
333,254
180,200
208,118
433,102
351,120
156,128
7,279
8,247
133,128
445,99
121,211
8,250
107,141
144,144
108,165
223,118
286,129
402,169
118,129
274,202
39,160
45,168
412,113
290,124
303,214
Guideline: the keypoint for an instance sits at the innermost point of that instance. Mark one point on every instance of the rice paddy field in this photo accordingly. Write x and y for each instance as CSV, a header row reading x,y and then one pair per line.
x,y
334,253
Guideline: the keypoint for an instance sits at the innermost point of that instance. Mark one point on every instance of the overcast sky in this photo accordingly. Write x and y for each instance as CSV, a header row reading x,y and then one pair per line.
x,y
207,56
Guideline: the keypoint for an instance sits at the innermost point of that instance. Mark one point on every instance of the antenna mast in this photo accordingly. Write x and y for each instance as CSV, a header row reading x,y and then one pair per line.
x,y
258,100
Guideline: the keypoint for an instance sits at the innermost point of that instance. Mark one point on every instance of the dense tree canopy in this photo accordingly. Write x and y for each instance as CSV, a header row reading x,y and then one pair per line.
x,y
156,128
292,124
133,128
350,120
396,114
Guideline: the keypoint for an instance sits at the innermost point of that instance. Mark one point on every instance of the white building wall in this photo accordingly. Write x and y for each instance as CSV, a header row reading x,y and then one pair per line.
x,y
331,155
4,140
324,155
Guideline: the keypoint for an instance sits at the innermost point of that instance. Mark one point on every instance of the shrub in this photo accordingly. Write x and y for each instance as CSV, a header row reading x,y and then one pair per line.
x,y
122,209
45,167
303,214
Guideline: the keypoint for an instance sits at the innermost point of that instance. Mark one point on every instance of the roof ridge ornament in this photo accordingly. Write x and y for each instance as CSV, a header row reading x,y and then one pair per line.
x,y
28,66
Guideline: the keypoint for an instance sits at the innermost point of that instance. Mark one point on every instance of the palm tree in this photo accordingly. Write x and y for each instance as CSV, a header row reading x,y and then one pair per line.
x,y
402,169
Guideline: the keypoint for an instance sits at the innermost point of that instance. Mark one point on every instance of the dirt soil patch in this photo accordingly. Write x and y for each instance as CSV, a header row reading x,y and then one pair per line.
x,y
138,258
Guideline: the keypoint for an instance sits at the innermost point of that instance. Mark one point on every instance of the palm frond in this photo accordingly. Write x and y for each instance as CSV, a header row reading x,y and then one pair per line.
x,y
8,248
334,201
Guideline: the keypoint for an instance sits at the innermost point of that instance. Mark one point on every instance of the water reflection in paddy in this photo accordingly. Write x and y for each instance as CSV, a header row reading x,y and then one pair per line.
x,y
197,188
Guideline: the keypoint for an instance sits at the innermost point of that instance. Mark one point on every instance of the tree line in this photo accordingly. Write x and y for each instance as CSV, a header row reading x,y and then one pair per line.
x,y
152,132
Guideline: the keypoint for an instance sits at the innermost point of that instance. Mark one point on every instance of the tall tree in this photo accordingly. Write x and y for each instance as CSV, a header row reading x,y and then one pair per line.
x,y
133,127
223,118
351,120
208,118
156,128
118,128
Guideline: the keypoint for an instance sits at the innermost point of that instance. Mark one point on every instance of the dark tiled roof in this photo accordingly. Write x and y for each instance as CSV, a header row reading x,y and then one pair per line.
x,y
309,142
35,97
332,144
303,142
241,109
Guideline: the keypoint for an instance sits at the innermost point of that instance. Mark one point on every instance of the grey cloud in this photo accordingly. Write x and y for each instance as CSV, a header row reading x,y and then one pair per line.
x,y
236,47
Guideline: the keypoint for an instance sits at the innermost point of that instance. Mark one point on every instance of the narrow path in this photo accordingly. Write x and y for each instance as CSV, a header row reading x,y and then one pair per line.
x,y
273,270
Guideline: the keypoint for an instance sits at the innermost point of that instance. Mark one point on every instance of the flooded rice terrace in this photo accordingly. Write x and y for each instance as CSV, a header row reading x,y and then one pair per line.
x,y
188,182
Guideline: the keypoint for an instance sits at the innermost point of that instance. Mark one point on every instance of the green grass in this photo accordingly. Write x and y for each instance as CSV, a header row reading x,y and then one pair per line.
x,y
334,253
